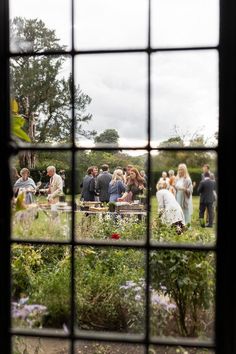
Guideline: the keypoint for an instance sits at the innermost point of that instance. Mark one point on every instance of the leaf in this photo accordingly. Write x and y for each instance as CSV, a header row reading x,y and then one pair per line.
x,y
14,106
20,202
17,124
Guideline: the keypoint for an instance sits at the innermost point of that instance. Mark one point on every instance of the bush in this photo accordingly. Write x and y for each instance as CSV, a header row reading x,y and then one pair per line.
x,y
188,279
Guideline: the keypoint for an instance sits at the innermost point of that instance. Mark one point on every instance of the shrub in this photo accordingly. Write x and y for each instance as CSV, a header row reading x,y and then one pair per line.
x,y
188,279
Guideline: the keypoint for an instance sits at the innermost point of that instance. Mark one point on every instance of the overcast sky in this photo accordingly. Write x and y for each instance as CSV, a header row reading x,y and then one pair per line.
x,y
184,85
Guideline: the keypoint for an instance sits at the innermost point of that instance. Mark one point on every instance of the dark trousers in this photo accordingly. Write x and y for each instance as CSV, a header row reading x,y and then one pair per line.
x,y
209,208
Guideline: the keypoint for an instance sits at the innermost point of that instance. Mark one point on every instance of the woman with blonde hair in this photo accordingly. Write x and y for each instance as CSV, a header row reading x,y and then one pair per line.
x,y
184,191
116,186
169,210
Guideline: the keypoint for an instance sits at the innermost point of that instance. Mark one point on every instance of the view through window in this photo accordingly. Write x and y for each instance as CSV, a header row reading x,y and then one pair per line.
x,y
114,110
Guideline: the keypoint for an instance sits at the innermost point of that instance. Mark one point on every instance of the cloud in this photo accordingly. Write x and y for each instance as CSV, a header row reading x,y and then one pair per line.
x,y
184,85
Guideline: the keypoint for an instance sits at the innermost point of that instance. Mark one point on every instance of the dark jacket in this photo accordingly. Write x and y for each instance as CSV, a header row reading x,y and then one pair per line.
x,y
102,185
88,189
205,189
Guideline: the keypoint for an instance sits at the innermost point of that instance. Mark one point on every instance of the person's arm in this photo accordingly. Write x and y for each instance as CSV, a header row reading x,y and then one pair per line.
x,y
92,185
199,189
128,189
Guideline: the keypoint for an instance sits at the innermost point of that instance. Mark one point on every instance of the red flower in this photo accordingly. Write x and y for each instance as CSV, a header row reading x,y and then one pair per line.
x,y
115,236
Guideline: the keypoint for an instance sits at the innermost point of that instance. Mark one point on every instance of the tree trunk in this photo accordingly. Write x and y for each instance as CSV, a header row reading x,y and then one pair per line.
x,y
27,159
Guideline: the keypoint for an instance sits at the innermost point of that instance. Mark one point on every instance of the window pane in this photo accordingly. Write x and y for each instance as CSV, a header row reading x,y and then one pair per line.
x,y
34,26
182,294
110,290
185,23
185,97
102,178
116,86
40,286
108,24
41,204
178,215
22,344
180,350
107,348
41,99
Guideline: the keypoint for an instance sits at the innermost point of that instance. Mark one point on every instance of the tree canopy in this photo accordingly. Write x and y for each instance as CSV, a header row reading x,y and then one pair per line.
x,y
46,82
108,136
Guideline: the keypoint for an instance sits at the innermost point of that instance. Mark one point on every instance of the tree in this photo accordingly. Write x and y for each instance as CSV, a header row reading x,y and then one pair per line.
x,y
39,80
109,136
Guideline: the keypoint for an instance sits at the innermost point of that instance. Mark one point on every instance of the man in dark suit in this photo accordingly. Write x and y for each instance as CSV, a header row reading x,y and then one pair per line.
x,y
102,184
205,189
88,185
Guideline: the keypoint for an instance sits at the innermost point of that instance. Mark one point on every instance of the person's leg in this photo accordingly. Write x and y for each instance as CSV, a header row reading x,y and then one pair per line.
x,y
202,208
210,215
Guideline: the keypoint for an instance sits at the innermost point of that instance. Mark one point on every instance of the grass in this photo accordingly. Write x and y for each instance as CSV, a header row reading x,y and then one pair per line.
x,y
46,225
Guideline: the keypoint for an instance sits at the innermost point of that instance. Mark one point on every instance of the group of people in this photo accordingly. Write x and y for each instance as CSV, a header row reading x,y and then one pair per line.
x,y
123,185
174,193
174,196
24,184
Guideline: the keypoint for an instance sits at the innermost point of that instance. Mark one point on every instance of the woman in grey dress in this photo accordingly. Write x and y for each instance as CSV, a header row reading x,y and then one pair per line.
x,y
184,191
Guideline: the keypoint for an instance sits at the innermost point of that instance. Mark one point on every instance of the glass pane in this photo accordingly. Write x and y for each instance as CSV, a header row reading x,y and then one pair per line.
x,y
185,98
35,345
111,206
41,203
184,196
110,289
179,350
185,23
107,348
40,286
182,294
116,105
111,24
41,99
34,26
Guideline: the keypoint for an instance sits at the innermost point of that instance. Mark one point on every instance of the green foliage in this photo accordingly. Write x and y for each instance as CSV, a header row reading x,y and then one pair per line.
x,y
40,80
100,300
18,123
53,289
109,136
105,300
188,278
25,261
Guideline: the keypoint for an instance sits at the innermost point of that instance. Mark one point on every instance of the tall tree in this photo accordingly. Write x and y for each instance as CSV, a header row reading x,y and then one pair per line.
x,y
40,81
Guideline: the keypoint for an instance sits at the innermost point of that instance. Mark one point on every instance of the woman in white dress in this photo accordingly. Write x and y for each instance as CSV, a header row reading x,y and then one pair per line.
x,y
184,191
169,209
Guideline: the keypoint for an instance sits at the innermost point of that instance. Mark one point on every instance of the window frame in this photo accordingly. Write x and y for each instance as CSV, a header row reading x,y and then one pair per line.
x,y
225,329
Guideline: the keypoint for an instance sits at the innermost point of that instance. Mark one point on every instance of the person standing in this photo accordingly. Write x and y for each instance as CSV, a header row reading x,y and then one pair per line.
x,y
164,178
55,185
171,174
116,186
184,191
102,184
25,184
88,192
206,190
134,187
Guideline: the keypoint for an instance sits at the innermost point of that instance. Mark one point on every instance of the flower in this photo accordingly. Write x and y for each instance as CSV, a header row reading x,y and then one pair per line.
x,y
115,236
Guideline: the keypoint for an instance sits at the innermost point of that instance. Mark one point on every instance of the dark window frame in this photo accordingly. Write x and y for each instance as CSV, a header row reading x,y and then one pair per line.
x,y
225,338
